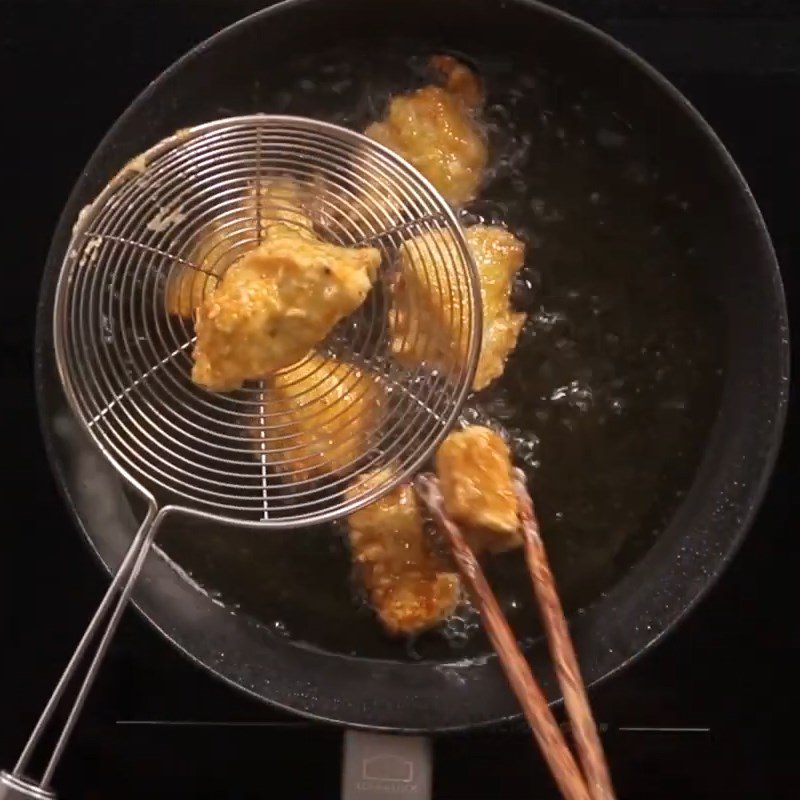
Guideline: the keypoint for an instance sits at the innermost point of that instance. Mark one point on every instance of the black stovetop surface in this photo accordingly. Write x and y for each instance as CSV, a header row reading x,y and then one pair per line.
x,y
700,716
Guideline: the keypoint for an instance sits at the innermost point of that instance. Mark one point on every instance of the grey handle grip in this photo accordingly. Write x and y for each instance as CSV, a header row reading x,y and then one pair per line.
x,y
377,766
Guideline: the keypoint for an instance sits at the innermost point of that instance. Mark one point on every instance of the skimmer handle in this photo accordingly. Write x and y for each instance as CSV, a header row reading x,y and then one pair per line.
x,y
17,784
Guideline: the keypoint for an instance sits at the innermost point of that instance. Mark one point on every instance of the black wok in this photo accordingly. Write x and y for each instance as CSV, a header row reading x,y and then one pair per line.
x,y
239,71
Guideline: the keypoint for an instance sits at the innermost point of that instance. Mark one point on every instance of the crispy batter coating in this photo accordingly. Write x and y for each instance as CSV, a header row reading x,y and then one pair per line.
x,y
475,474
459,80
280,208
409,585
274,304
499,255
427,321
435,129
322,413
283,207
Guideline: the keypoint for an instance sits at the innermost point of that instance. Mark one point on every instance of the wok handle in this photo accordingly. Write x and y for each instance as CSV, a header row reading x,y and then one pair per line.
x,y
377,765
106,619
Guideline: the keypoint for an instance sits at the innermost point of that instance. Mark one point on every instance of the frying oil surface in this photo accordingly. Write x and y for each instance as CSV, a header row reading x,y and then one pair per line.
x,y
607,400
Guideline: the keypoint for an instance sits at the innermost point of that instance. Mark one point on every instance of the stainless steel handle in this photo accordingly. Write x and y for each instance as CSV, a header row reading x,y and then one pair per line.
x,y
17,784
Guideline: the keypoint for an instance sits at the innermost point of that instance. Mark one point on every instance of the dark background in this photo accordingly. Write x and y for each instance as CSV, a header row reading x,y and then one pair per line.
x,y
68,69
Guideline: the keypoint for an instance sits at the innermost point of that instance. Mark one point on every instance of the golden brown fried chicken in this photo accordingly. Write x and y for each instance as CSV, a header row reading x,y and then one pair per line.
x,y
499,255
475,474
322,413
428,323
213,254
459,80
435,129
409,585
283,207
274,304
279,208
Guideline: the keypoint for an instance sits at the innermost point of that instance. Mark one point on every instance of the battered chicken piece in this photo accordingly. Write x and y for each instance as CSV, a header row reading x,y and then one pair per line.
x,y
499,255
459,80
409,585
283,207
327,411
280,207
275,304
435,129
213,254
475,474
427,323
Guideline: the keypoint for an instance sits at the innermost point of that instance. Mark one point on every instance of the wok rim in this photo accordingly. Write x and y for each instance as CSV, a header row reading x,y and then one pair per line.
x,y
756,490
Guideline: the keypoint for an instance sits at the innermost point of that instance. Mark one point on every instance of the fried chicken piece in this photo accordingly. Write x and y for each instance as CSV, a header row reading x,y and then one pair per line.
x,y
475,474
499,255
409,585
275,304
428,322
283,207
459,80
435,129
322,413
212,255
280,209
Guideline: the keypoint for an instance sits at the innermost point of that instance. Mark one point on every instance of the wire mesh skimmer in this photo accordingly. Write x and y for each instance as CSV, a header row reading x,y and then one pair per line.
x,y
319,439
